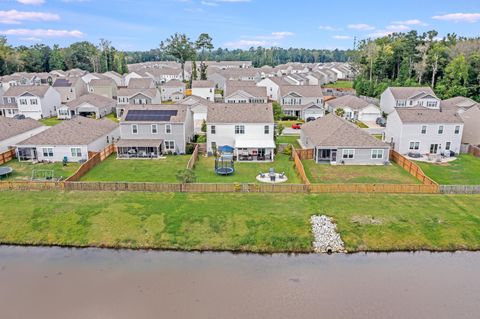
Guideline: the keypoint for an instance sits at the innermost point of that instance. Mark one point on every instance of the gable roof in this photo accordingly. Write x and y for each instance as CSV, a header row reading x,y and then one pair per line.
x,y
334,131
426,115
240,113
173,83
131,92
403,93
178,118
93,99
106,81
77,131
141,83
18,90
350,101
458,102
302,90
10,127
202,84
255,91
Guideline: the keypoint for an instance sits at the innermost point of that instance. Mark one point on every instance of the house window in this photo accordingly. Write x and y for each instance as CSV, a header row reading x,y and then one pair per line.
x,y
267,129
424,129
348,154
23,101
212,129
154,129
447,145
47,152
169,145
168,129
33,101
76,152
401,103
440,129
239,129
431,104
214,146
134,129
377,154
457,129
414,146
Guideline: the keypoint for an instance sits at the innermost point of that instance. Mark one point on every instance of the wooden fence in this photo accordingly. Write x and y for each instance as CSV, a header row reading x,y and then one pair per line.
x,y
194,158
412,168
305,154
299,166
7,156
94,160
31,186
474,150
460,189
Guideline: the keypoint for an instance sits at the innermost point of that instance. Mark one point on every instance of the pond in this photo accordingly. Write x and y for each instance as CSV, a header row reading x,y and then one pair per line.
x,y
97,283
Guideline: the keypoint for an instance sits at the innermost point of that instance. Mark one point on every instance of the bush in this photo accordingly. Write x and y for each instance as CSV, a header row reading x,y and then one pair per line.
x,y
288,150
289,118
201,139
186,176
190,148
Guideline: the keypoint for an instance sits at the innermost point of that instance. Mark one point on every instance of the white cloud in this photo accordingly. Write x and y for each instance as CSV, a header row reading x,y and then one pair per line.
x,y
17,17
245,44
342,37
411,22
361,26
208,3
328,28
398,28
31,39
459,17
43,33
31,2
260,40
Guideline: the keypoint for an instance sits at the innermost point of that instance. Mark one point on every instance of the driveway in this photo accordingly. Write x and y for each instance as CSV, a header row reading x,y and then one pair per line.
x,y
290,131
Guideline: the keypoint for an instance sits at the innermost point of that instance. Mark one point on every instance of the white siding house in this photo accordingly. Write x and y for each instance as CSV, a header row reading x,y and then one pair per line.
x,y
407,97
34,101
204,89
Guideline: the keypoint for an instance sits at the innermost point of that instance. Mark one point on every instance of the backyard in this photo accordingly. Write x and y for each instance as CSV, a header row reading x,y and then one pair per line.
x,y
289,139
50,121
22,171
340,85
375,174
239,222
138,170
465,170
245,172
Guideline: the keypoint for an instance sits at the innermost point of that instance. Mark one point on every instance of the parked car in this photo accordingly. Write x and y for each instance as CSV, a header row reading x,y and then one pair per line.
x,y
309,119
296,126
381,121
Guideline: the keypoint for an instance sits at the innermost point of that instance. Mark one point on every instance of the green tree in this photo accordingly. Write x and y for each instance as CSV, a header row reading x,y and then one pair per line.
x,y
179,47
194,70
57,59
455,80
203,43
340,112
277,111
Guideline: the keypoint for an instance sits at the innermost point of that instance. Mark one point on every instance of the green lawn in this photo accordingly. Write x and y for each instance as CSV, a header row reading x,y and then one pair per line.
x,y
113,117
240,222
245,172
331,174
340,85
463,171
378,136
138,170
289,139
50,121
22,171
290,123
361,124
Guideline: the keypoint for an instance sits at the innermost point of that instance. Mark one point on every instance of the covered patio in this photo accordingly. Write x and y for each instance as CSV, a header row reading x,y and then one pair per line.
x,y
139,149
254,150
26,154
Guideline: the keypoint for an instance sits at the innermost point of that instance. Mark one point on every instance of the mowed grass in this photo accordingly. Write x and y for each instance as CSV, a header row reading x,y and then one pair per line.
x,y
113,117
238,222
340,85
138,170
289,139
245,172
290,123
50,121
22,171
465,170
374,174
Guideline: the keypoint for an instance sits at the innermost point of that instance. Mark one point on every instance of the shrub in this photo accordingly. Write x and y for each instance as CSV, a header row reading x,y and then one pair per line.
x,y
186,176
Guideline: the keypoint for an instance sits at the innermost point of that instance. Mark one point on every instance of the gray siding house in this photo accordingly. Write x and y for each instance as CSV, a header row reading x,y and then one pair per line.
x,y
337,141
148,131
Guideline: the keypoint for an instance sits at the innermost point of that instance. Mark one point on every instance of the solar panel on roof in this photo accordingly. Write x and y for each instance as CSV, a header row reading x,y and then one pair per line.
x,y
150,115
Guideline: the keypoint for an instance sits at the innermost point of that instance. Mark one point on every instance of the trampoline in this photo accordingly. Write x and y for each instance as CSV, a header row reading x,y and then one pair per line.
x,y
224,165
5,171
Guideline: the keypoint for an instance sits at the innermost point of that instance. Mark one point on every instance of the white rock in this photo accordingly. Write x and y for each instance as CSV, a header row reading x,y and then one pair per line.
x,y
326,238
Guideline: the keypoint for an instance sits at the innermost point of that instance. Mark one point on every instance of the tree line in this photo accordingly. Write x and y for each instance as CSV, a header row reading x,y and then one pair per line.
x,y
43,58
451,65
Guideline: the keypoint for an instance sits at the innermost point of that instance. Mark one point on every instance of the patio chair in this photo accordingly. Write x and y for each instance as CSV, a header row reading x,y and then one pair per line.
x,y
282,176
262,175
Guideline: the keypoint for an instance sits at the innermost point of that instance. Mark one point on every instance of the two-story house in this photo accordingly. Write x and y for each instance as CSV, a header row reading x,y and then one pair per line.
x,y
469,111
136,96
240,92
405,97
247,128
294,98
70,88
354,108
33,101
104,86
425,131
204,88
173,90
273,85
148,131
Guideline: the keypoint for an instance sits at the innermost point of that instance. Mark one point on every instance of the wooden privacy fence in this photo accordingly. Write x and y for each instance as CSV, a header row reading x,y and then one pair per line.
x,y
94,159
305,154
7,156
460,189
474,150
412,168
31,186
194,158
299,166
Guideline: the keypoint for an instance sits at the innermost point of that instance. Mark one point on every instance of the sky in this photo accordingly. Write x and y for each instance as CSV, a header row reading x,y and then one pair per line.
x,y
143,24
